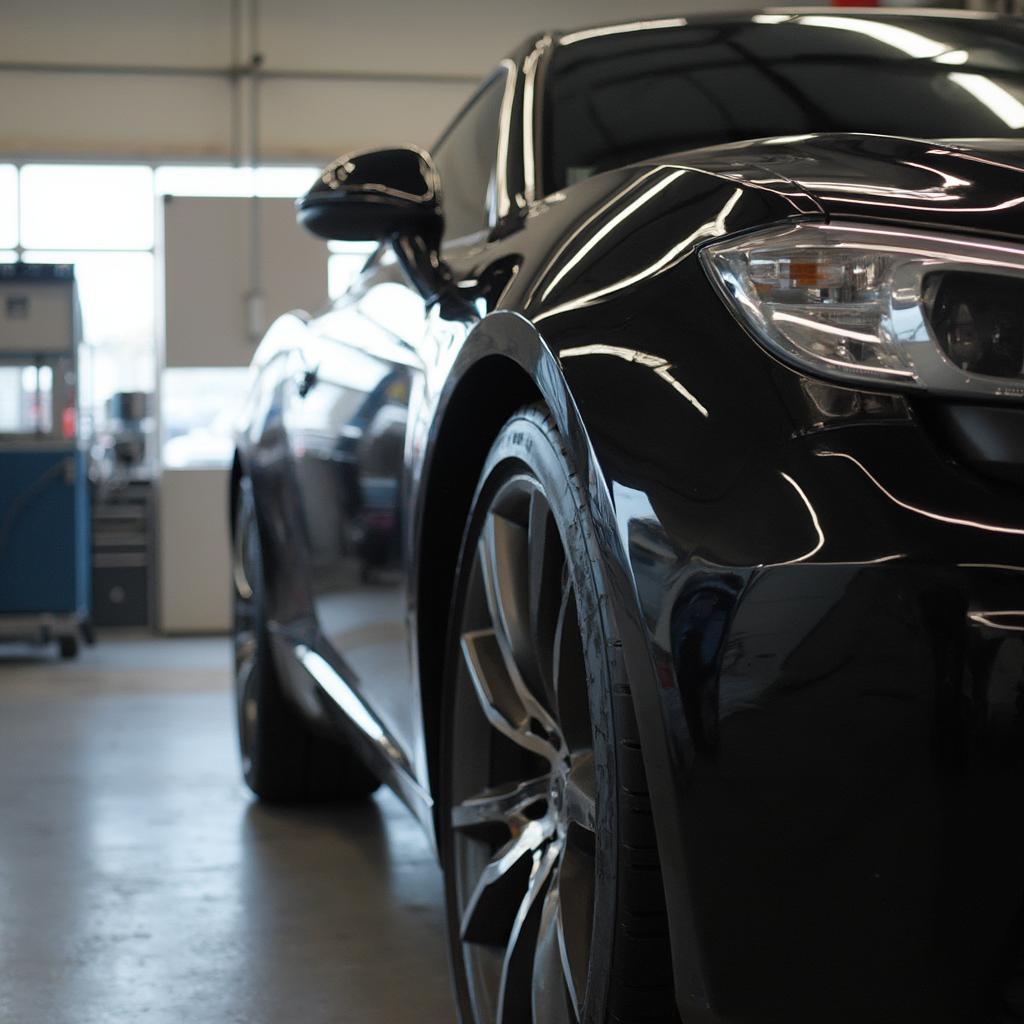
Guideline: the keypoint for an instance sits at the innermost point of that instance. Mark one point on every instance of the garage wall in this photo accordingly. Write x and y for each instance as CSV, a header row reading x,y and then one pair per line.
x,y
205,313
151,79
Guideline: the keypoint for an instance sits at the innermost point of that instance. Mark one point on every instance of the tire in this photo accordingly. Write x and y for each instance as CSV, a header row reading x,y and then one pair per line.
x,y
283,759
68,646
542,790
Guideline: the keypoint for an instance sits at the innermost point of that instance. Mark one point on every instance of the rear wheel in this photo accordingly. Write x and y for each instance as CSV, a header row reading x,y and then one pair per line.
x,y
553,886
283,759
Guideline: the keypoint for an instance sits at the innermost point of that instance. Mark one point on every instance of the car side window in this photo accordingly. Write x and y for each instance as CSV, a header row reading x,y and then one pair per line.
x,y
466,159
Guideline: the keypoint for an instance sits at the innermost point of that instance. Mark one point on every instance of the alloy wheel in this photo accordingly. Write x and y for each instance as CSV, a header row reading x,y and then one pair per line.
x,y
245,575
523,781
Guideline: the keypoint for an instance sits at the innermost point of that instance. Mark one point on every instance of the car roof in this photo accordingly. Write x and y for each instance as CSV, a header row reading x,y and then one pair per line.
x,y
710,18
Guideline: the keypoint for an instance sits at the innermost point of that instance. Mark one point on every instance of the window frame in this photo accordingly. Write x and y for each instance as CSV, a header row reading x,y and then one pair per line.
x,y
495,216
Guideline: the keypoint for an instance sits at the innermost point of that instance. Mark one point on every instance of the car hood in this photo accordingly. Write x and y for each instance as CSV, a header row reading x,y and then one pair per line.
x,y
974,185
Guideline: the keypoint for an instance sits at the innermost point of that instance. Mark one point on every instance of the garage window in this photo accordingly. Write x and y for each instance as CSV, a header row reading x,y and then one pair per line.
x,y
8,208
101,219
64,206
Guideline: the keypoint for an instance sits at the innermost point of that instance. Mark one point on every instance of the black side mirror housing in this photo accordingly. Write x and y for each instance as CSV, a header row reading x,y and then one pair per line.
x,y
375,195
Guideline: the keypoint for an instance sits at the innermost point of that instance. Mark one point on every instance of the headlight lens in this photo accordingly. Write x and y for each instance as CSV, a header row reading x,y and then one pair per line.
x,y
978,320
877,306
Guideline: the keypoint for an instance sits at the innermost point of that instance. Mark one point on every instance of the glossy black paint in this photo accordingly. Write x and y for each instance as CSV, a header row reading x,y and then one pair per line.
x,y
818,599
953,186
374,195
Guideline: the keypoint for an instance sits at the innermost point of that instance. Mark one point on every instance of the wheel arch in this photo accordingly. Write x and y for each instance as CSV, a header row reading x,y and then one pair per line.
x,y
487,393
506,364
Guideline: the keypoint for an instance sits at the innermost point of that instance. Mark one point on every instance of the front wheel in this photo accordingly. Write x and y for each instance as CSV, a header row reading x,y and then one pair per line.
x,y
555,913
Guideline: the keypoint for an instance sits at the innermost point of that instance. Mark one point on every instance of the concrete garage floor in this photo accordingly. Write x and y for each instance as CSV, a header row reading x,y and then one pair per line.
x,y
139,882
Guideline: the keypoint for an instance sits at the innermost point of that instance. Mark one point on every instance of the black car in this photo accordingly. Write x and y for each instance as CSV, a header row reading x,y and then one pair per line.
x,y
650,516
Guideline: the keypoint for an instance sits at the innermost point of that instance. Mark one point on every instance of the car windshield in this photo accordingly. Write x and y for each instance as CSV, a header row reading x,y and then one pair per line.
x,y
616,97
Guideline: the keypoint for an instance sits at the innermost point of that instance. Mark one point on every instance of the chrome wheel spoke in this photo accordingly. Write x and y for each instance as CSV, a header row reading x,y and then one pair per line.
x,y
524,808
504,553
514,1003
245,650
552,1003
494,904
505,702
581,792
576,909
240,565
570,676
504,559
503,805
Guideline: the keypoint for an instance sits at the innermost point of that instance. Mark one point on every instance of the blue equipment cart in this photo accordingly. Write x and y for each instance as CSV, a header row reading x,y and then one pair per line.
x,y
44,501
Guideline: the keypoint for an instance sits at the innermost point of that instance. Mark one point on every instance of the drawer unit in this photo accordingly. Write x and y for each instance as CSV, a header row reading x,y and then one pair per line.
x,y
122,554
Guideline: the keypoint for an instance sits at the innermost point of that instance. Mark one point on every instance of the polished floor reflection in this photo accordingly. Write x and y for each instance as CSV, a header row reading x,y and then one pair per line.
x,y
139,882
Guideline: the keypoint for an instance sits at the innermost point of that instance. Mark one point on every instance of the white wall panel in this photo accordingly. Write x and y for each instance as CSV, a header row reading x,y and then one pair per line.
x,y
317,124
193,32
158,118
103,117
194,551
445,36
203,254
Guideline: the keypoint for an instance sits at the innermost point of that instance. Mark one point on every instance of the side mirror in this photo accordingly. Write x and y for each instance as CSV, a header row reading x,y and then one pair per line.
x,y
373,196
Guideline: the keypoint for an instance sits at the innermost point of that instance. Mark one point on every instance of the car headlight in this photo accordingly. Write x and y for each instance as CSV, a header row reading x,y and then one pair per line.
x,y
881,306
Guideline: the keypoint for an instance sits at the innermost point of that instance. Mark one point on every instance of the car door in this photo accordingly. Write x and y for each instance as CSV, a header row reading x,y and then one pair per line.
x,y
348,419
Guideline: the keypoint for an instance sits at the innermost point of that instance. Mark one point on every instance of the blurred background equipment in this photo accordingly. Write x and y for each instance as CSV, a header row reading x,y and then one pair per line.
x,y
44,509
122,441
122,467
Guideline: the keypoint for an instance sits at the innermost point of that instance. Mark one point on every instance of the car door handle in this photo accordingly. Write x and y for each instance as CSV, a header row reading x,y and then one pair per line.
x,y
305,381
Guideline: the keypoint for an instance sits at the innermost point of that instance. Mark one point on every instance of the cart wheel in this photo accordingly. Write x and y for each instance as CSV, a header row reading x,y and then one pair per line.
x,y
68,646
